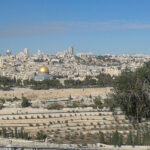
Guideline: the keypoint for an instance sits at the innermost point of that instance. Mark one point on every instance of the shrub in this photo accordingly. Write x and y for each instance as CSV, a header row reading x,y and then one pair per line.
x,y
37,124
20,117
32,117
66,121
30,124
55,106
49,116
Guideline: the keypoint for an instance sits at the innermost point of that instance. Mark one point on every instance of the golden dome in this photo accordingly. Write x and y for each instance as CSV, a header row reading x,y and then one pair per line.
x,y
43,69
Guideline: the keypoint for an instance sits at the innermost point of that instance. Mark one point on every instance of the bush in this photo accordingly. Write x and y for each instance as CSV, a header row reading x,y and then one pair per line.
x,y
20,117
30,124
32,117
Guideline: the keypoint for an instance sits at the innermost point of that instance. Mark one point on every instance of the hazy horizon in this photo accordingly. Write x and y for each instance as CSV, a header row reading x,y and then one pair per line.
x,y
35,51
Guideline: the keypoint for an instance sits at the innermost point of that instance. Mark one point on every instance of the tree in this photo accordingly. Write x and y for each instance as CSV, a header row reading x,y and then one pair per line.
x,y
75,104
4,132
1,106
81,135
101,137
146,136
98,103
41,135
120,141
131,92
25,102
16,133
104,80
115,138
129,139
110,103
136,139
18,82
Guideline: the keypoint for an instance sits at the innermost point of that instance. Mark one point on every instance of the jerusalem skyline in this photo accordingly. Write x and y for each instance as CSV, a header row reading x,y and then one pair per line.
x,y
76,51
74,74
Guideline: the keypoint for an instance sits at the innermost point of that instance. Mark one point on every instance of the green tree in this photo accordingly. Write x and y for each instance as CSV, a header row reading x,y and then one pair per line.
x,y
16,133
75,104
101,137
98,103
136,139
110,103
18,82
129,139
4,132
104,80
41,135
25,102
131,92
146,136
115,138
120,141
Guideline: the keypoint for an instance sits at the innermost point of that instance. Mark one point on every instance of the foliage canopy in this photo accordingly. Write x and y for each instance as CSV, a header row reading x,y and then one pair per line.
x,y
131,92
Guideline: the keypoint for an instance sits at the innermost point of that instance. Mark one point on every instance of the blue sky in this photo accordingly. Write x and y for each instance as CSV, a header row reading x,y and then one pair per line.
x,y
99,26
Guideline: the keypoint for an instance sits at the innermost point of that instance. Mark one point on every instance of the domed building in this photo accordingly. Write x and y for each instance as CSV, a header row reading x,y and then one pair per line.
x,y
43,74
43,69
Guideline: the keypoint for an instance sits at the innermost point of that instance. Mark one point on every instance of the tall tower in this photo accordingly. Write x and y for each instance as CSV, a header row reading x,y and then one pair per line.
x,y
71,50
26,52
39,52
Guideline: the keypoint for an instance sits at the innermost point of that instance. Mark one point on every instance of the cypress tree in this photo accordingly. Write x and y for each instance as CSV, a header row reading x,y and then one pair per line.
x,y
101,137
136,139
120,142
129,139
115,138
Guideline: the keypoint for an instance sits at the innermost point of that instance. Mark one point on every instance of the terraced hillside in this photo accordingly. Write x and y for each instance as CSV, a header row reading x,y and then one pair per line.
x,y
61,125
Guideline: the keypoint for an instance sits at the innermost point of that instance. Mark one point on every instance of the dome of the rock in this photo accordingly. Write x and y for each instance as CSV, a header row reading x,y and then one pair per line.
x,y
43,69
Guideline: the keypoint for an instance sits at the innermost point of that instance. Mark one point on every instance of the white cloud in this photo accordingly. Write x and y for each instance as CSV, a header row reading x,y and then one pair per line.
x,y
51,28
